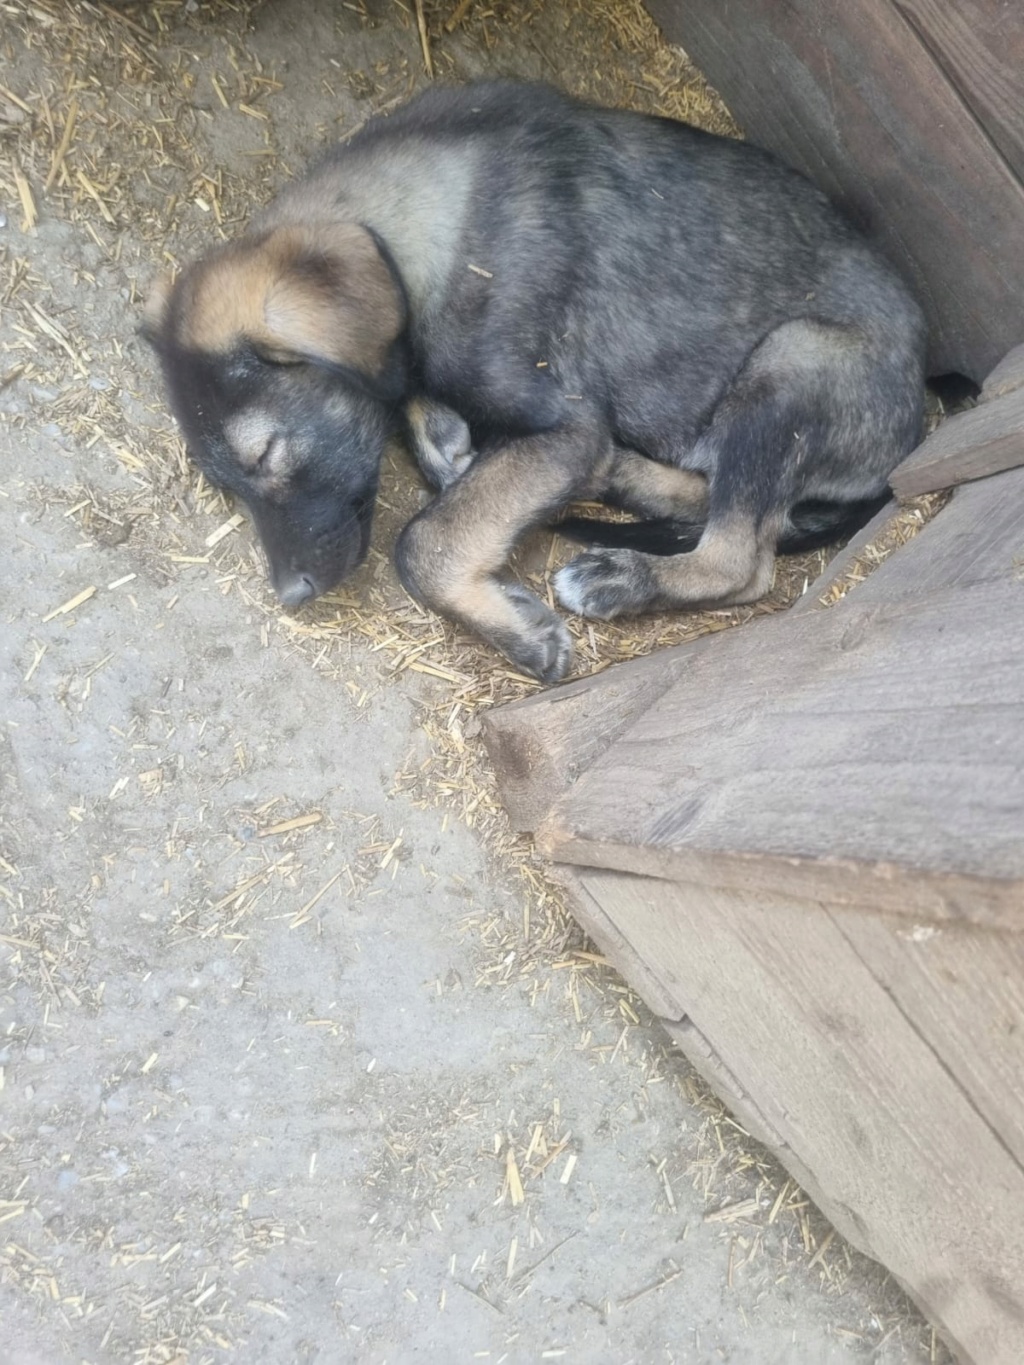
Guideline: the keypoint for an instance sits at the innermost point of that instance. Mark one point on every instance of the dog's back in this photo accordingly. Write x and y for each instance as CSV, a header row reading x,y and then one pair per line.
x,y
609,249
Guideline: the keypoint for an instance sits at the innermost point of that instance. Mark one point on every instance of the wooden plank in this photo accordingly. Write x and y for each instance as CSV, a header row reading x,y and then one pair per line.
x,y
906,1166
539,746
977,538
852,96
1007,376
838,567
964,993
814,755
983,440
979,47
605,933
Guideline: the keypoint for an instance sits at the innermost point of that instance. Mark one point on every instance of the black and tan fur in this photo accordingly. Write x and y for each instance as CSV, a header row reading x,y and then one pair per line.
x,y
559,302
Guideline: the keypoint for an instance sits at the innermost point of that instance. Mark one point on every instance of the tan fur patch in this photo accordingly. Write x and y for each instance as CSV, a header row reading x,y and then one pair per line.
x,y
468,533
312,292
154,311
249,433
658,490
728,566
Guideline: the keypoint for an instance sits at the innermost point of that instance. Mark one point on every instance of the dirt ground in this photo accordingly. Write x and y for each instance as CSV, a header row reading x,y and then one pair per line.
x,y
300,1057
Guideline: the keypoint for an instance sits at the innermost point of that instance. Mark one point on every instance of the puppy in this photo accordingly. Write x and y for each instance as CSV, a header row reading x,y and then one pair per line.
x,y
559,302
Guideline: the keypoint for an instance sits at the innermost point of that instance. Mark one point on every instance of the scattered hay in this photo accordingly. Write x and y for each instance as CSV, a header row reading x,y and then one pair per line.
x,y
901,527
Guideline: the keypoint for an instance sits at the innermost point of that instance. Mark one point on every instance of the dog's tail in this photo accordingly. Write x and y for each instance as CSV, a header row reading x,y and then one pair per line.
x,y
810,526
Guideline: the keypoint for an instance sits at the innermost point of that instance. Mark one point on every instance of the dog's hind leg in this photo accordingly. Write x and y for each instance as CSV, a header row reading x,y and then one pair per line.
x,y
673,503
652,489
733,563
812,414
450,555
734,551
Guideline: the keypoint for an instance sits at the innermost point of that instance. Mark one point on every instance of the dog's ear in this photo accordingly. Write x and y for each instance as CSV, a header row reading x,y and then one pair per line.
x,y
156,308
321,293
335,300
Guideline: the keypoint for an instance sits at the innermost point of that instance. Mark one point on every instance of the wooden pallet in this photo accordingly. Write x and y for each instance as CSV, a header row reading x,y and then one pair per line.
x,y
803,842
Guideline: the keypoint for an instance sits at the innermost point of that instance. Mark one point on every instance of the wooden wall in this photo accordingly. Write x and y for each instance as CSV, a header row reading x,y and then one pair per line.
x,y
910,114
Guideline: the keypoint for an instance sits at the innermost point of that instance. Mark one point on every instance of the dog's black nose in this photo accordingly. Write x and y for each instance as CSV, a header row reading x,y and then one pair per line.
x,y
294,589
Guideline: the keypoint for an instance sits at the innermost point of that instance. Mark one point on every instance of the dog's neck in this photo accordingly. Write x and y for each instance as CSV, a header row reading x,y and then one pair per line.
x,y
407,199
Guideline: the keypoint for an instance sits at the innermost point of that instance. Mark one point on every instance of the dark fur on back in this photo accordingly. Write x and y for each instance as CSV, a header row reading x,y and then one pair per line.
x,y
565,270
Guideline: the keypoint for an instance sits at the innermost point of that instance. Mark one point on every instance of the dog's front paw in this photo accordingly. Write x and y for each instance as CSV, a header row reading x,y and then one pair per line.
x,y
605,584
542,647
441,442
445,467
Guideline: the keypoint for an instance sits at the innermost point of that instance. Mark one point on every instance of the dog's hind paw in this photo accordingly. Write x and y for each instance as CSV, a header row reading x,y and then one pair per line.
x,y
543,648
606,583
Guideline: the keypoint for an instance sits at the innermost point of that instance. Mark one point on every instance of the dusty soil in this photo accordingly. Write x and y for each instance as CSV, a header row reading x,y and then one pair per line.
x,y
301,1058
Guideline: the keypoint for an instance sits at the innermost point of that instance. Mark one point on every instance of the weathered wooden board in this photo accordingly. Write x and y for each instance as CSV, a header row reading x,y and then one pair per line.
x,y
891,1146
540,745
983,440
964,992
1007,376
978,45
589,889
868,98
870,756
977,538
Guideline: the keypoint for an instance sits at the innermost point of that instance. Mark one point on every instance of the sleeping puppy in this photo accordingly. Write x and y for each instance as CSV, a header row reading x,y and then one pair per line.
x,y
558,302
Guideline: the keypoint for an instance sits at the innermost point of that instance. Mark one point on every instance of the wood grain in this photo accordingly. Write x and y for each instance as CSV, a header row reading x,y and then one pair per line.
x,y
969,445
979,47
854,96
541,745
964,991
862,755
1007,376
902,1161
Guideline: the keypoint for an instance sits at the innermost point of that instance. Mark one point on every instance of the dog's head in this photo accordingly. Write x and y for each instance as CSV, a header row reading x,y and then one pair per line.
x,y
284,366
